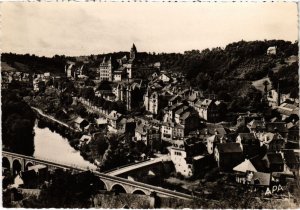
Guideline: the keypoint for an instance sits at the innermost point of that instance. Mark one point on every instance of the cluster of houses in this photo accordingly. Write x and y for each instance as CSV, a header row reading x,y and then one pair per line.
x,y
259,156
33,81
8,76
188,120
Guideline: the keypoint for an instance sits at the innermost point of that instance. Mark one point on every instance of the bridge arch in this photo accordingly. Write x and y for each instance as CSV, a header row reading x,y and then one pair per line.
x,y
16,166
102,185
6,163
139,192
28,164
118,188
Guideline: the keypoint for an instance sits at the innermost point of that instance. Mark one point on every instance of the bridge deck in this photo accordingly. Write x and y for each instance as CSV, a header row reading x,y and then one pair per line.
x,y
123,170
116,179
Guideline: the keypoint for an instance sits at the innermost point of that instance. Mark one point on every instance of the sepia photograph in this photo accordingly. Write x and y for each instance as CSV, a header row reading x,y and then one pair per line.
x,y
150,105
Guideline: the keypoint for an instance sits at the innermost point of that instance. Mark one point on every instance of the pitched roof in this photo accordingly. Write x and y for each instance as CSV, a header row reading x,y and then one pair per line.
x,y
175,97
229,148
259,163
275,158
176,106
291,158
169,124
181,110
213,128
206,102
79,120
288,109
185,115
247,136
101,121
245,166
256,123
280,126
178,126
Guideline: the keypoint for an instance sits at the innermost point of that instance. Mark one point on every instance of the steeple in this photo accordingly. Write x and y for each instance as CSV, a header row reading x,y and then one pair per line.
x,y
133,47
104,59
133,52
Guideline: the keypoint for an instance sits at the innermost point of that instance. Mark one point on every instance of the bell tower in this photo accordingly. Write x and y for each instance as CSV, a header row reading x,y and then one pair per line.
x,y
133,52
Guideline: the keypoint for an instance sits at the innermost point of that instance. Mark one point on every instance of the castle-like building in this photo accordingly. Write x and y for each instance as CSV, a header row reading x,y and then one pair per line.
x,y
121,69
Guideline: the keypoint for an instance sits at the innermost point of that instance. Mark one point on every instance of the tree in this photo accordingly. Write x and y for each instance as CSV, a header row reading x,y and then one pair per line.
x,y
100,141
81,110
88,93
41,86
70,190
17,125
66,99
49,83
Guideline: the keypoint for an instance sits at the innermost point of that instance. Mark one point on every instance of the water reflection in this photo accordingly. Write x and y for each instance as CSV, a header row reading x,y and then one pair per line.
x,y
53,147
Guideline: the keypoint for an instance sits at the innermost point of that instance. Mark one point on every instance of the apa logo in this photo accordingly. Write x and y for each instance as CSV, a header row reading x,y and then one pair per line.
x,y
275,189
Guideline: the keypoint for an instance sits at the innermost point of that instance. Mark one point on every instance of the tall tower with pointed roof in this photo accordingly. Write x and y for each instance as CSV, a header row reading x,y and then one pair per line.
x,y
133,52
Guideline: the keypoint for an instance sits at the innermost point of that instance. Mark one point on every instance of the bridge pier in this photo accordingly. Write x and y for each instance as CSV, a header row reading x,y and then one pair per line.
x,y
121,188
16,163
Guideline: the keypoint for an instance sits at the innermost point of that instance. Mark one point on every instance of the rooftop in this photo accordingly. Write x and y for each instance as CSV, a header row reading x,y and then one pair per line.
x,y
229,148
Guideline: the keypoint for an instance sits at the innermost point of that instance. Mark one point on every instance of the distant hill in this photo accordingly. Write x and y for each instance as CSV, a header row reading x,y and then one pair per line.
x,y
6,67
32,64
227,73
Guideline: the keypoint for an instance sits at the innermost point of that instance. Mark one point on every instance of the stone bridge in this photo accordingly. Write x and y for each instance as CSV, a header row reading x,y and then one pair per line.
x,y
17,163
133,167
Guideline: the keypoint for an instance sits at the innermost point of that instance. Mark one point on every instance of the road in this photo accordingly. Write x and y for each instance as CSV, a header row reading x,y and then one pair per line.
x,y
52,118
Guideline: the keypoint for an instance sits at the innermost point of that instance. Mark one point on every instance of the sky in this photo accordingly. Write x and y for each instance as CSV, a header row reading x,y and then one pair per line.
x,y
93,28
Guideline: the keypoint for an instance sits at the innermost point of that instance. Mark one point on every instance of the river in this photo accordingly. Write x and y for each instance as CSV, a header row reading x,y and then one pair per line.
x,y
52,146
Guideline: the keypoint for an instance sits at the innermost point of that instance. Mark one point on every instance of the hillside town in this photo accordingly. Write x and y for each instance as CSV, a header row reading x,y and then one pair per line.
x,y
150,112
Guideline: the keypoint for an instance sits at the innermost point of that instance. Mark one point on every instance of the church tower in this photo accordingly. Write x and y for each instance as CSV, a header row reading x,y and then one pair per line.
x,y
133,52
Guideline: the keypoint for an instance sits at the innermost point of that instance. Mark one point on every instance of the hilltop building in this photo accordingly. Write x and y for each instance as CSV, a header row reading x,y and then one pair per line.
x,y
119,69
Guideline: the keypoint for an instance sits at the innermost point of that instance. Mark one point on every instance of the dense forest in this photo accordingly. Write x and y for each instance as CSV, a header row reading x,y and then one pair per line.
x,y
17,124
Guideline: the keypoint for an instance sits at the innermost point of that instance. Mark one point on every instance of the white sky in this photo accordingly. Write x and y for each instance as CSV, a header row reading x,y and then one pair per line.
x,y
94,28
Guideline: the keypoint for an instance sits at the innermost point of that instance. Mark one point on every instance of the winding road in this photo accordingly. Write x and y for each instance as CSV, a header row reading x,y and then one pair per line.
x,y
52,118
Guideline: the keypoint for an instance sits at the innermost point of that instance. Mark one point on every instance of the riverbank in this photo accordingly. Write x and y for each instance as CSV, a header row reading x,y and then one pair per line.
x,y
53,147
66,132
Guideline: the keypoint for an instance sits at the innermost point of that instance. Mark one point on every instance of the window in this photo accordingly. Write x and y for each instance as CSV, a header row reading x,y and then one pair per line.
x,y
177,153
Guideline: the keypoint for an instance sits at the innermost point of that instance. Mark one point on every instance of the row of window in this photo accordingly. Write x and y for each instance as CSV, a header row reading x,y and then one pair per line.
x,y
104,67
177,153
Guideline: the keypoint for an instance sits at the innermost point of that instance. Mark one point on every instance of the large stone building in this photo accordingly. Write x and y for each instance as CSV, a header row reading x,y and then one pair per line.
x,y
187,155
106,69
120,69
130,93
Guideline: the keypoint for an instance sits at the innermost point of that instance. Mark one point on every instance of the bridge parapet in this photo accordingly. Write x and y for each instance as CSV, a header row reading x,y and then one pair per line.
x,y
111,182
